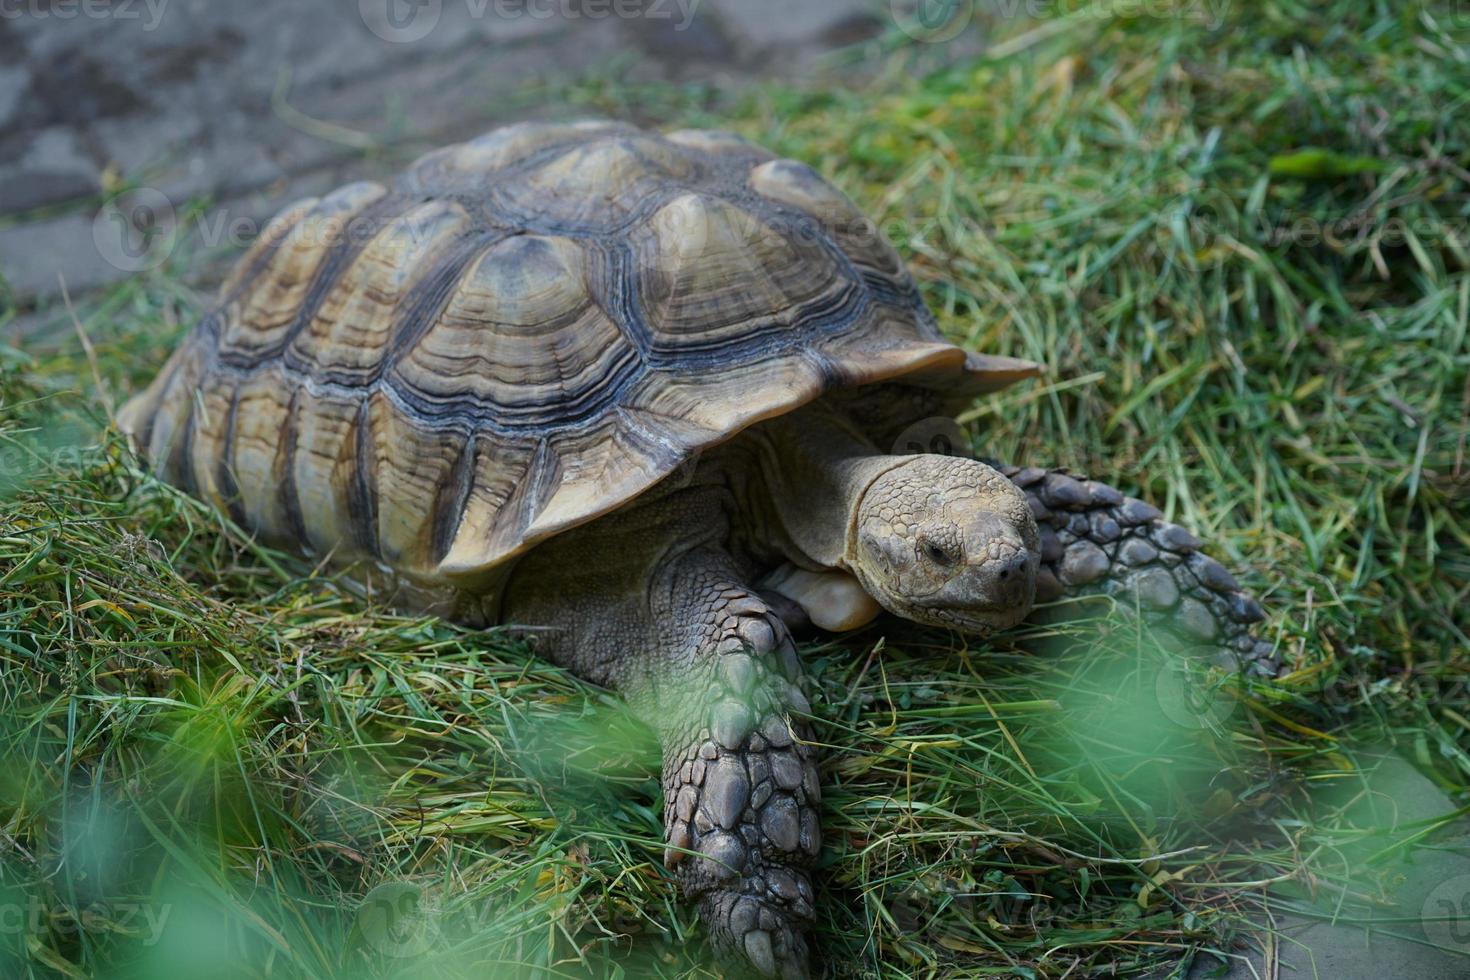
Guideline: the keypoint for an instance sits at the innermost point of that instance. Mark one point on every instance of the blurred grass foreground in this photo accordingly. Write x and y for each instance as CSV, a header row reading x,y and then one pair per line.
x,y
1241,248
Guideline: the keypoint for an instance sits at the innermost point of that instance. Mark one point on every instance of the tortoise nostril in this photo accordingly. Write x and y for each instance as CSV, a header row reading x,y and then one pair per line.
x,y
1010,578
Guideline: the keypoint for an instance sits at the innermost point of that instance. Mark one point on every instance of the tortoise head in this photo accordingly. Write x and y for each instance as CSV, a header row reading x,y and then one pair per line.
x,y
946,541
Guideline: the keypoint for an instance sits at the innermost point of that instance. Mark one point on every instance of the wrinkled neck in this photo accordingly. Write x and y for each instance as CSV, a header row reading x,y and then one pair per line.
x,y
815,466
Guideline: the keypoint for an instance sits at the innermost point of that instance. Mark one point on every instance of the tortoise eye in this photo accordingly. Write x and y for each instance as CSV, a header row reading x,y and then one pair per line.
x,y
938,553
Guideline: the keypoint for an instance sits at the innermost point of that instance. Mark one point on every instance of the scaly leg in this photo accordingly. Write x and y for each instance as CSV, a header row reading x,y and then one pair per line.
x,y
741,784
708,664
1094,540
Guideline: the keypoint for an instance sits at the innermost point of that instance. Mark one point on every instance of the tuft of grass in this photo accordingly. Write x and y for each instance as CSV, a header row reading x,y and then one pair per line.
x,y
1241,251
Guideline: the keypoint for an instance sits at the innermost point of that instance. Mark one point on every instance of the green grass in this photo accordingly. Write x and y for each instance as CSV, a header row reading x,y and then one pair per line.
x,y
210,753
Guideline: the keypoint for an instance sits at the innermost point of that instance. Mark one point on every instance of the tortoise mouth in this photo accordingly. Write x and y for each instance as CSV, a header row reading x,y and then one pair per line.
x,y
993,594
973,619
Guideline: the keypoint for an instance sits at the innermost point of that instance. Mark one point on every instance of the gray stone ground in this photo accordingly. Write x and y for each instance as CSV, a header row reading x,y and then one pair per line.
x,y
1419,926
249,104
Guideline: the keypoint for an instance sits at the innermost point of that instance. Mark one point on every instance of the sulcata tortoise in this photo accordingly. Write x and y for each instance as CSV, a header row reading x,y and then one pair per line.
x,y
636,390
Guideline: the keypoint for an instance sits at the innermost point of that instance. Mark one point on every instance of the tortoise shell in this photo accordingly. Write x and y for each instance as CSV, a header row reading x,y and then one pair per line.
x,y
522,333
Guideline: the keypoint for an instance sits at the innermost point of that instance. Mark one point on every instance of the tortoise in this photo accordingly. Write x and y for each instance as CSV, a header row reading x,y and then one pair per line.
x,y
636,389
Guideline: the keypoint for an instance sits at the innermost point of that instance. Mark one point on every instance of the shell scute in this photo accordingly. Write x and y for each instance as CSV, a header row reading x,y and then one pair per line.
x,y
597,186
346,338
715,278
520,340
798,185
277,297
257,455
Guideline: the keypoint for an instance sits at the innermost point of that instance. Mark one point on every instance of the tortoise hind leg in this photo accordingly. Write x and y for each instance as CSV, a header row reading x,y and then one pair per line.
x,y
1096,541
740,775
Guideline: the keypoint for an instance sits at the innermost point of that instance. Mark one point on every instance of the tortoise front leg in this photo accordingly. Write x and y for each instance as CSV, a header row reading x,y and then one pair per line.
x,y
741,785
1095,540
